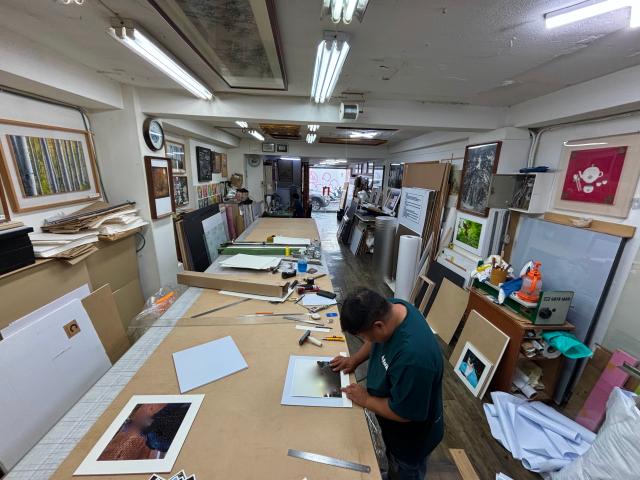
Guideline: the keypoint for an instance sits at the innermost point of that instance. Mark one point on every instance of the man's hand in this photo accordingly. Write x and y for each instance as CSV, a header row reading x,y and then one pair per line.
x,y
343,364
357,394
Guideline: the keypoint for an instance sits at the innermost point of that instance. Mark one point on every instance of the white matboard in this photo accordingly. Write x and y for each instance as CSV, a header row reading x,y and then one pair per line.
x,y
44,373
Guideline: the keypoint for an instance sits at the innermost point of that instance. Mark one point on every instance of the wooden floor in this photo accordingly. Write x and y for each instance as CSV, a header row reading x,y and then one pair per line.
x,y
465,423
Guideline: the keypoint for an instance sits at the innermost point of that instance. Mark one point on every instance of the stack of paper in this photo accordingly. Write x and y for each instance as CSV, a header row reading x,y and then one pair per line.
x,y
253,262
279,240
8,225
88,218
63,245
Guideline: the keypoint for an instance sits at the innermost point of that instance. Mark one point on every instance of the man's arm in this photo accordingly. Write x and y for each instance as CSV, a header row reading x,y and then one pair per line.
x,y
378,405
362,355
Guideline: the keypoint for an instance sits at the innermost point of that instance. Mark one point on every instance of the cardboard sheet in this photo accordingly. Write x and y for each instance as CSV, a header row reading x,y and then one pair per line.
x,y
103,312
233,283
44,373
281,240
252,262
447,310
488,339
208,362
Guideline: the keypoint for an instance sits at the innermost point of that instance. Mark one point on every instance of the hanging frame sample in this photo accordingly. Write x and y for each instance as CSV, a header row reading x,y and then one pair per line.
x,y
480,163
45,166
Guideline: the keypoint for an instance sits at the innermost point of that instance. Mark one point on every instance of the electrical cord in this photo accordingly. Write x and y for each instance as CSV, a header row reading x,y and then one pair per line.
x,y
143,240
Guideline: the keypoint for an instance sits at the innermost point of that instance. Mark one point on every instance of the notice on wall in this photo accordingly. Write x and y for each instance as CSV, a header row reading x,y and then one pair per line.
x,y
413,208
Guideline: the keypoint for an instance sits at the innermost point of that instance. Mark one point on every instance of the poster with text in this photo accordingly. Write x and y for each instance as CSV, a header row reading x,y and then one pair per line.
x,y
414,203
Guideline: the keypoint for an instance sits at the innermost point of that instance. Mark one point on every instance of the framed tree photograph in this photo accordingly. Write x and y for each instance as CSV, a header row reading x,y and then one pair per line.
x,y
175,151
45,166
598,175
181,190
204,160
160,186
480,163
395,176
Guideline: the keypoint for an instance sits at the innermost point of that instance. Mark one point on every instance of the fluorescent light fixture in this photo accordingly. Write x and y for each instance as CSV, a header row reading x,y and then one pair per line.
x,y
142,45
477,146
344,10
368,135
242,124
589,9
592,144
396,164
311,137
313,127
294,159
256,134
330,57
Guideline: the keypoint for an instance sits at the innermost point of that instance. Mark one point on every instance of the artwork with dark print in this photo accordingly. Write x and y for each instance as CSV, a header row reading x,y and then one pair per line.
x,y
332,379
217,162
147,433
48,166
235,37
395,176
160,182
181,190
204,161
479,165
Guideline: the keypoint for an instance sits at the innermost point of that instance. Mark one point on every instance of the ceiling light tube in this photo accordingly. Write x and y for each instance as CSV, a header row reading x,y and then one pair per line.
x,y
142,45
311,137
344,10
330,57
242,124
589,9
257,135
348,10
293,159
313,127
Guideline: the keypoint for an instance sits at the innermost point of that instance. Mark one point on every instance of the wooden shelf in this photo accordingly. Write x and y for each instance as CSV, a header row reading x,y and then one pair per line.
x,y
610,228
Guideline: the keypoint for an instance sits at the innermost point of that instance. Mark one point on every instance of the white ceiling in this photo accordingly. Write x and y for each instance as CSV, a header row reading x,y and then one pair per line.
x,y
466,51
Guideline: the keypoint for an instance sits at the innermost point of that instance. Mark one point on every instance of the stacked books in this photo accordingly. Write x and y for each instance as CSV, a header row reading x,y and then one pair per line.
x,y
64,245
16,250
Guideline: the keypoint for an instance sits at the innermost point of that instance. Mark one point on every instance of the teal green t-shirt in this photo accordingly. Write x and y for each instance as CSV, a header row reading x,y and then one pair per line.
x,y
407,370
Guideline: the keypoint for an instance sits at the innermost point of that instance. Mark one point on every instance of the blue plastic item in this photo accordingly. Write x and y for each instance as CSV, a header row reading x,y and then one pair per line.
x,y
568,344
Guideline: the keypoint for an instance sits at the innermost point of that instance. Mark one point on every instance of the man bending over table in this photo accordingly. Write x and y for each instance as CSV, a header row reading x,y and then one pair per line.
x,y
404,379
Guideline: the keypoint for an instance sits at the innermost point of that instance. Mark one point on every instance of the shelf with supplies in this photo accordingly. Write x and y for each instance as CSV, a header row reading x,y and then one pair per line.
x,y
521,192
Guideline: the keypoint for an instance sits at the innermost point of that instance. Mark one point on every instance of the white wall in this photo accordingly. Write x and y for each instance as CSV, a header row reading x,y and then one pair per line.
x,y
14,107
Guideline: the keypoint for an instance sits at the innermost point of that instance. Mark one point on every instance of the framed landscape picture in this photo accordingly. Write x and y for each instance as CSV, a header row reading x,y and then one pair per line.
x,y
175,151
598,175
480,163
159,186
44,166
470,233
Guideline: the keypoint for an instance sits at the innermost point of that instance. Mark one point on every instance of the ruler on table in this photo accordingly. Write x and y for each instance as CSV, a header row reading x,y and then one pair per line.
x,y
335,462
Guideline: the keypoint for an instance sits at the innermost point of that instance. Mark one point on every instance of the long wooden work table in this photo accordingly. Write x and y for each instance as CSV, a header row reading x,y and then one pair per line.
x,y
241,430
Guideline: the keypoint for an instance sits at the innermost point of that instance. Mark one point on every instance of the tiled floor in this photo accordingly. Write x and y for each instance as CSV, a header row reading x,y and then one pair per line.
x,y
465,423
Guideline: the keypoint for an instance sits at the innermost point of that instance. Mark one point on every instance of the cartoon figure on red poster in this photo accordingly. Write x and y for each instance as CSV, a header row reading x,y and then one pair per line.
x,y
593,175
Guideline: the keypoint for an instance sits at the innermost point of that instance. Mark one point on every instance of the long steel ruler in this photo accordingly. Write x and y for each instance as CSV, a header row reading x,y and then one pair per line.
x,y
335,462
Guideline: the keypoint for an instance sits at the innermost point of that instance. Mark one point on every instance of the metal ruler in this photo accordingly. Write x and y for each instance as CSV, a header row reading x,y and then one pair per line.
x,y
221,308
335,462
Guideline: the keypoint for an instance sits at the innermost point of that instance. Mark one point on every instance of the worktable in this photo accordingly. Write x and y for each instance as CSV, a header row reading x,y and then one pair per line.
x,y
241,431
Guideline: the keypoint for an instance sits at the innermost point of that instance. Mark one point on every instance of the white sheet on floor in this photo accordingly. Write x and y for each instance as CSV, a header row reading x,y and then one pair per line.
x,y
543,439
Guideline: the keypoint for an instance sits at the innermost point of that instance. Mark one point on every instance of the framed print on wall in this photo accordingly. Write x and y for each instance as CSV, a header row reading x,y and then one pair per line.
x,y
217,162
160,186
480,163
598,175
204,162
181,190
224,170
175,151
44,166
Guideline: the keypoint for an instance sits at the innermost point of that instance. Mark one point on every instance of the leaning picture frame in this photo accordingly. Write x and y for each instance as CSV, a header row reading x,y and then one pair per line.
x,y
45,166
4,207
471,234
473,368
598,176
480,163
160,186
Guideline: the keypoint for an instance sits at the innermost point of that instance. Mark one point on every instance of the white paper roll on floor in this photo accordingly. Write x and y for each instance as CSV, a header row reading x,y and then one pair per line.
x,y
408,256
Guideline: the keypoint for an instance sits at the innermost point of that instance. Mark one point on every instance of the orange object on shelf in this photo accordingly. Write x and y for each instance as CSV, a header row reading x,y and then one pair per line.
x,y
531,284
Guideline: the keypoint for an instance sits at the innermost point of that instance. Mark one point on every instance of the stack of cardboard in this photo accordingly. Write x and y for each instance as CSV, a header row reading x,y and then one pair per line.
x,y
8,225
91,217
64,245
16,250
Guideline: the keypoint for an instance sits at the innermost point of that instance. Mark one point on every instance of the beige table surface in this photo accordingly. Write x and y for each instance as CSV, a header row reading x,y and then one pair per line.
x,y
242,431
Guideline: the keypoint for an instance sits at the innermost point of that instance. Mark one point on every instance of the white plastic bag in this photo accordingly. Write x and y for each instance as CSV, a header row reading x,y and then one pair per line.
x,y
615,453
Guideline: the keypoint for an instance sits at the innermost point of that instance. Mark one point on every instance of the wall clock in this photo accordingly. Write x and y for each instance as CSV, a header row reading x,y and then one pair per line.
x,y
153,134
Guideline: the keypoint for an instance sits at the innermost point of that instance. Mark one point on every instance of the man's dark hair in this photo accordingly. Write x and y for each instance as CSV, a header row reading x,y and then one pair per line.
x,y
361,309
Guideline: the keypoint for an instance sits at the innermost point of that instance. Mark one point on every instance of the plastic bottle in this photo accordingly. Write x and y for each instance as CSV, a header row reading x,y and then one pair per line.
x,y
302,263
